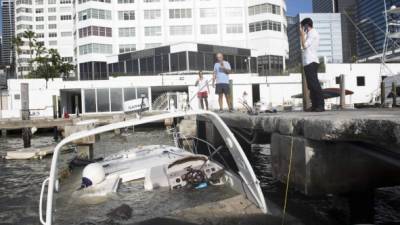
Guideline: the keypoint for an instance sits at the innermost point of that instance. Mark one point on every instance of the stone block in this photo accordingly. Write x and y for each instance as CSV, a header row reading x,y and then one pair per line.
x,y
320,167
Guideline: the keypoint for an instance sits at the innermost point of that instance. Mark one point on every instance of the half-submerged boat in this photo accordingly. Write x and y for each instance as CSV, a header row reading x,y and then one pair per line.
x,y
164,167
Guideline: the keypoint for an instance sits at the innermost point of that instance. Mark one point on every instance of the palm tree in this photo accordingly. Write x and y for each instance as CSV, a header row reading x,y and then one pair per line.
x,y
17,43
28,34
65,69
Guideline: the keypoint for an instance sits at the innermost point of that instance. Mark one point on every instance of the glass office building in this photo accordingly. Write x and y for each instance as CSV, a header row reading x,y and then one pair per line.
x,y
372,23
331,43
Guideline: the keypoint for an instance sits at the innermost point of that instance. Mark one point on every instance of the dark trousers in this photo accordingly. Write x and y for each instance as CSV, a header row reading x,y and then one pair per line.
x,y
317,98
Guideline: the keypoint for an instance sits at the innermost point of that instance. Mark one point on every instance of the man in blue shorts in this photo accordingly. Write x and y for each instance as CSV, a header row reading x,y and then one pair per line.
x,y
222,69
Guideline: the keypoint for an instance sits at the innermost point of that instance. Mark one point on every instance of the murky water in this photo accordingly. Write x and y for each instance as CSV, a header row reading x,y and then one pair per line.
x,y
20,183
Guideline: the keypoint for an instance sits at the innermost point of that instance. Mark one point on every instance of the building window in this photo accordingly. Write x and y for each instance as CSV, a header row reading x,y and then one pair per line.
x,y
26,2
24,10
39,2
52,43
127,48
152,45
66,34
126,32
208,13
40,27
95,48
51,10
234,28
94,14
152,31
52,26
209,29
150,1
361,81
53,34
265,25
125,1
234,12
51,2
24,18
24,27
180,13
337,80
95,31
84,1
152,14
39,18
180,30
52,18
39,35
126,15
65,1
66,17
264,8
39,10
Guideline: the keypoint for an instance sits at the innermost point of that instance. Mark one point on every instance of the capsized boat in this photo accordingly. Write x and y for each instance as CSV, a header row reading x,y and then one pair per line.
x,y
160,166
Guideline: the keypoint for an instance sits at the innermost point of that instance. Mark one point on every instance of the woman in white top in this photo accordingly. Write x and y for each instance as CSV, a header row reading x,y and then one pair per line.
x,y
203,89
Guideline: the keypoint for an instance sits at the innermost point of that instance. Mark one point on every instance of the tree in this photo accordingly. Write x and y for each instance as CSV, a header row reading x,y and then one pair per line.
x,y
65,69
17,43
28,34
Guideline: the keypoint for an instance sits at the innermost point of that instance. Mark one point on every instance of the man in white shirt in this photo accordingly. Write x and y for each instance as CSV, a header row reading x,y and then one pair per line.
x,y
309,38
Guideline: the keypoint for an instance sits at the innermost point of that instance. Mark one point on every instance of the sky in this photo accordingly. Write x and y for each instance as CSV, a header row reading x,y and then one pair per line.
x,y
295,7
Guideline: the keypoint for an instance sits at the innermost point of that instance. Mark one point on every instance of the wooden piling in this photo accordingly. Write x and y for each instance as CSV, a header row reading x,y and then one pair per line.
x,y
342,92
25,114
231,92
394,92
383,94
306,93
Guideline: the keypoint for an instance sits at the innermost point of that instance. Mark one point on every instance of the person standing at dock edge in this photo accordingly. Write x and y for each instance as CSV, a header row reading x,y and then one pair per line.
x,y
203,90
222,69
310,42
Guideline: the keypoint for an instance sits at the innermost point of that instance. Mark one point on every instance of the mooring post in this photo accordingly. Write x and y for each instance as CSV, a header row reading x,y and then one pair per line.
x,y
383,94
231,92
25,114
3,132
394,92
55,114
306,93
77,106
342,92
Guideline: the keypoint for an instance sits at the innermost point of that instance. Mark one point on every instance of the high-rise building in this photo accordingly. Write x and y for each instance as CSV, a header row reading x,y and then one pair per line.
x,y
348,10
324,6
7,54
52,22
110,27
372,23
329,28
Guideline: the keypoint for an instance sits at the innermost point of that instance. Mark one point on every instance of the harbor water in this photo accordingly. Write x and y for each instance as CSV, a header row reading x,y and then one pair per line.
x,y
20,183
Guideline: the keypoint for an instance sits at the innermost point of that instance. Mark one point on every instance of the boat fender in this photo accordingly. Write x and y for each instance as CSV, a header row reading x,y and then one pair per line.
x,y
92,174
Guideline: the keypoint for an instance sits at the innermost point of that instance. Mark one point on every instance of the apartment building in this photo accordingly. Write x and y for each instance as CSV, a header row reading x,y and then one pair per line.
x,y
87,31
52,22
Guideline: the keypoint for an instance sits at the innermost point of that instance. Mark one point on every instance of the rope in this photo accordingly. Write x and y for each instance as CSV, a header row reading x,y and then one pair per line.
x,y
287,182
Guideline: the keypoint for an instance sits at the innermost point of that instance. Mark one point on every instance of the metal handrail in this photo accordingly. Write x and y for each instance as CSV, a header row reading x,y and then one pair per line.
x,y
42,221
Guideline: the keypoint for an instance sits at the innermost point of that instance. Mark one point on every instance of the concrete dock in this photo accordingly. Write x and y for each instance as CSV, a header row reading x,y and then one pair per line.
x,y
333,152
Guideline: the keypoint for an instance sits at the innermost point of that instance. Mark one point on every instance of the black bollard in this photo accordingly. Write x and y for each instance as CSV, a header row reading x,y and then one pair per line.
x,y
55,133
26,137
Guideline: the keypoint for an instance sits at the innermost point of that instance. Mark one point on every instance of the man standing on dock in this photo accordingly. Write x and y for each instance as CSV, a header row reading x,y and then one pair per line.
x,y
222,69
310,42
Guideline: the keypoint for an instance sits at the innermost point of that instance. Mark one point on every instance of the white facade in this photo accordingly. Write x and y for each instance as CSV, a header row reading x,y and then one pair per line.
x,y
140,24
52,22
363,79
